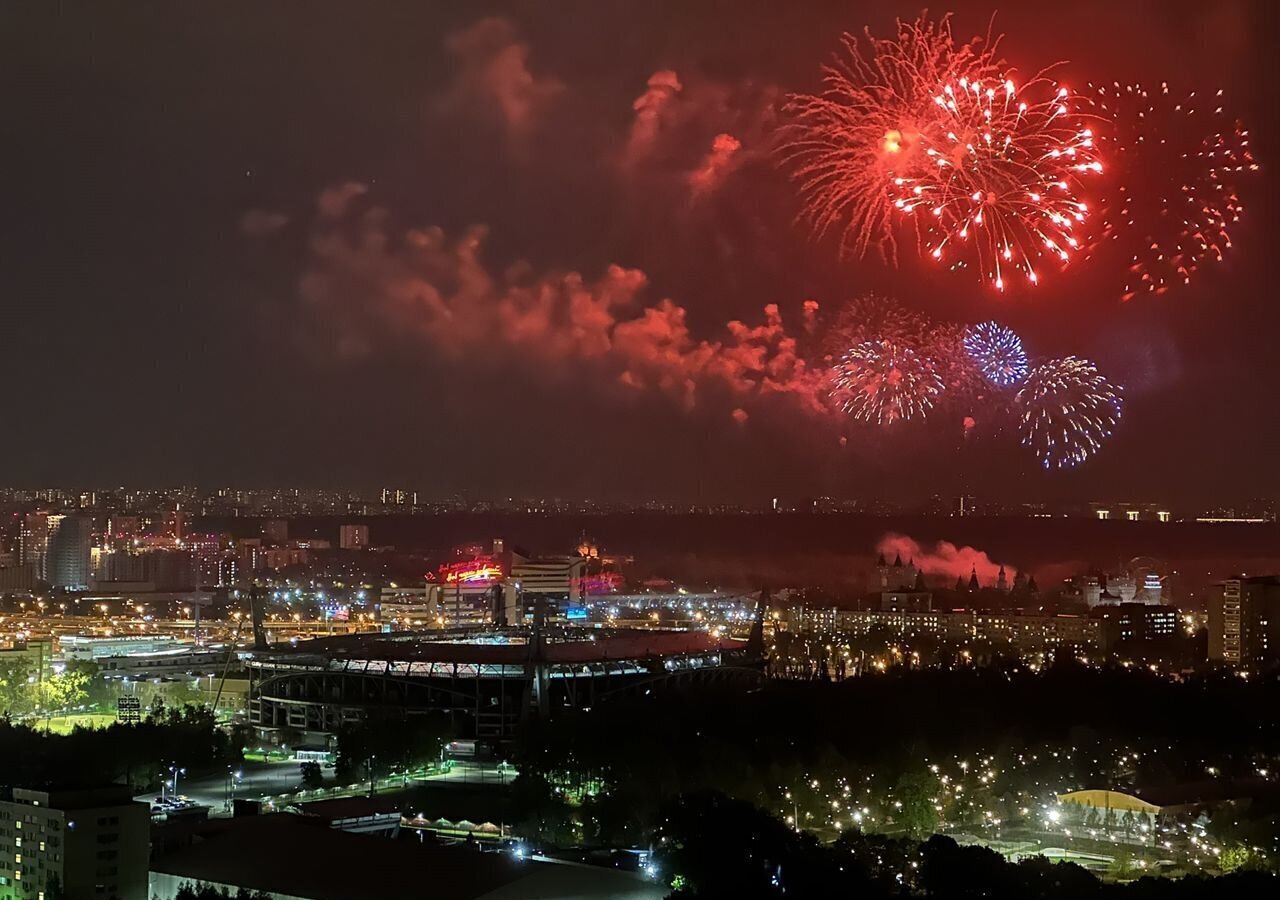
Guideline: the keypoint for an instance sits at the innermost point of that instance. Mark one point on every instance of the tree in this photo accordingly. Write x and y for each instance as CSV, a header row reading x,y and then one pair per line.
x,y
1235,857
387,745
201,891
65,690
1127,823
312,776
1121,867
918,793
100,694
15,684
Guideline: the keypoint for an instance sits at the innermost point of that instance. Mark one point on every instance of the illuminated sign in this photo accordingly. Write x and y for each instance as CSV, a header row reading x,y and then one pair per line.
x,y
604,583
473,572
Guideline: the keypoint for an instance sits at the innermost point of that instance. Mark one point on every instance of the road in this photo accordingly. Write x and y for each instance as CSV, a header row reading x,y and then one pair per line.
x,y
261,780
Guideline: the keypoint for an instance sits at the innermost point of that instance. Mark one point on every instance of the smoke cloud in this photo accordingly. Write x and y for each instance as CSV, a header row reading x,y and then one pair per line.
x,y
944,559
689,135
368,284
261,223
650,108
334,200
494,80
716,165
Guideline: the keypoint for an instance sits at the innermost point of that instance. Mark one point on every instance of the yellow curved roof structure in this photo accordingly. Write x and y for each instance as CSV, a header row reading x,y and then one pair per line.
x,y
1109,800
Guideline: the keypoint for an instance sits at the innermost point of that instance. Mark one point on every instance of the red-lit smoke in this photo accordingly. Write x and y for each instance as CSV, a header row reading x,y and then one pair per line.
x,y
493,78
717,164
369,284
945,559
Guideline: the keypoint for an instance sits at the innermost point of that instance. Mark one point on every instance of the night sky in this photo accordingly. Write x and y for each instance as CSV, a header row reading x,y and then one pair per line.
x,y
217,251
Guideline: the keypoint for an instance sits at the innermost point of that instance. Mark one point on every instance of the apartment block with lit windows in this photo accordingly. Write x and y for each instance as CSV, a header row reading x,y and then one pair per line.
x,y
1244,622
88,844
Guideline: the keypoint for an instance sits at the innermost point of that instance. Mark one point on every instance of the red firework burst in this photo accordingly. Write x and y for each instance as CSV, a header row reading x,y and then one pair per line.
x,y
1190,157
1002,191
849,144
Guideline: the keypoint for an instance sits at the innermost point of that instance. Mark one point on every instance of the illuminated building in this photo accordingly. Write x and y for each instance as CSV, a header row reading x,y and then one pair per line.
x,y
473,592
1131,622
1244,622
206,559
896,577
121,531
916,598
399,497
1130,512
555,582
1122,588
83,843
250,552
409,606
505,587
86,648
276,558
70,539
1026,633
353,537
33,541
175,525
38,651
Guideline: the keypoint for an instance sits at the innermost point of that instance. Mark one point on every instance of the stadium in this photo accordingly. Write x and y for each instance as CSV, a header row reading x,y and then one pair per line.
x,y
487,681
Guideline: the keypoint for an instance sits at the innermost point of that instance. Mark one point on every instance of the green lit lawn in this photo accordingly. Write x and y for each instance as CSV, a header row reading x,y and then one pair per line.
x,y
65,724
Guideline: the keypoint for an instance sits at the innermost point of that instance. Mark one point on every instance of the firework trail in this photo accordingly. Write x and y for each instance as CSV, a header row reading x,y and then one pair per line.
x,y
848,145
881,383
1002,190
997,352
1190,157
1067,411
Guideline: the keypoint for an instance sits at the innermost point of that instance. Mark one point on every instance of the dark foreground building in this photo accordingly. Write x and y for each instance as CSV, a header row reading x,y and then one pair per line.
x,y
290,858
74,844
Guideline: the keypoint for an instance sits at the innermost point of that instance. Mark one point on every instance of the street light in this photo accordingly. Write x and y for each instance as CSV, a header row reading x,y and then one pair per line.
x,y
233,779
175,771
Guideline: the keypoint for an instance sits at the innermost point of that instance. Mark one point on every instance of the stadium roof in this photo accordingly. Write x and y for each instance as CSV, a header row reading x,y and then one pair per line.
x,y
428,647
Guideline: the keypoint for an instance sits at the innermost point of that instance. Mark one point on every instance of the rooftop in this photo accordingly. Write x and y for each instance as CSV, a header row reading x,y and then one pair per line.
x,y
278,854
484,649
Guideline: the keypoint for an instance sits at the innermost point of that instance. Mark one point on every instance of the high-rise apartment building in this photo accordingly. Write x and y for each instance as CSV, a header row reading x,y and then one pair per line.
x,y
206,559
1244,622
68,559
33,541
353,537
